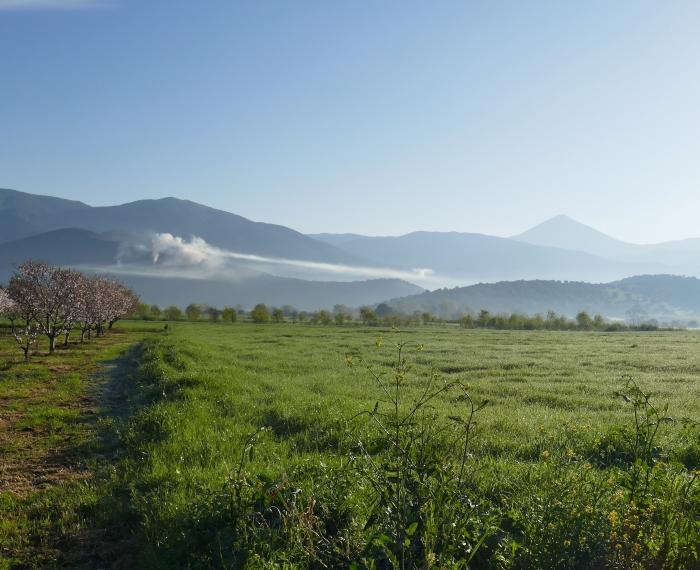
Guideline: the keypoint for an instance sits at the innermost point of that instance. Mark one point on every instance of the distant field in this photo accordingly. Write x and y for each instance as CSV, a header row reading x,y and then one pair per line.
x,y
549,464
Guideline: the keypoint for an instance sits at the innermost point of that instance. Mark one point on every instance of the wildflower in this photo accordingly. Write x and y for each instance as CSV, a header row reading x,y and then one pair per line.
x,y
567,543
569,453
544,455
613,517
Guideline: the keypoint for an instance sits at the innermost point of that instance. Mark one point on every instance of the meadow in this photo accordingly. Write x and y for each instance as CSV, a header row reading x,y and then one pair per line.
x,y
297,446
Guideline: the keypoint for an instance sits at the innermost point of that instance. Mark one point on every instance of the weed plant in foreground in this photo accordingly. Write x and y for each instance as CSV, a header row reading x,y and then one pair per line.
x,y
259,447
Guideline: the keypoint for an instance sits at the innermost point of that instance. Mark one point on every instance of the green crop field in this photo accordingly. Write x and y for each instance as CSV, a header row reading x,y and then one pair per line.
x,y
290,446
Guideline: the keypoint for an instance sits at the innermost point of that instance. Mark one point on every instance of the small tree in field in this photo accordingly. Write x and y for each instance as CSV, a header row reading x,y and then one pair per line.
x,y
214,314
23,329
193,312
229,314
321,317
368,316
122,302
93,312
341,318
260,313
278,315
143,312
584,321
598,322
341,314
172,313
466,321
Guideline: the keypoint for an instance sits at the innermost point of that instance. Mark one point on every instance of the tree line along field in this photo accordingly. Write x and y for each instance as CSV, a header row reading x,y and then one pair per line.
x,y
279,445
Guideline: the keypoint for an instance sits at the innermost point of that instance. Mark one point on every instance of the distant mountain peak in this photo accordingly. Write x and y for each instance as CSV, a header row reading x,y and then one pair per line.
x,y
565,232
563,220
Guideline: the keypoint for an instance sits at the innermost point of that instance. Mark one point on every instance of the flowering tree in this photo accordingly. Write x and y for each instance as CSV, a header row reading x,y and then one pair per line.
x,y
91,306
53,301
122,302
50,295
23,328
6,304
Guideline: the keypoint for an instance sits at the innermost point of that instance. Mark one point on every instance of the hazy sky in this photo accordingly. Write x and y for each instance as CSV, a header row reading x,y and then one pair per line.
x,y
373,116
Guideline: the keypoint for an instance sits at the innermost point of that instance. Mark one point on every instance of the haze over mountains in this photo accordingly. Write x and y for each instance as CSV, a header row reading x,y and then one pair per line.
x,y
178,251
668,299
562,231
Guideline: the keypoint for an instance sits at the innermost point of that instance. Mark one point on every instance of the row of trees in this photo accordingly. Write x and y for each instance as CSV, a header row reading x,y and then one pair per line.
x,y
261,313
43,299
193,312
551,321
384,315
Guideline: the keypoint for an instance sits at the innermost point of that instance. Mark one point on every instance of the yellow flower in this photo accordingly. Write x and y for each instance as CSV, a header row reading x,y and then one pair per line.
x,y
544,455
567,543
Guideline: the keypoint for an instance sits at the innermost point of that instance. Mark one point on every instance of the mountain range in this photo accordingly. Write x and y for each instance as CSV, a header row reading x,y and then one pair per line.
x,y
178,251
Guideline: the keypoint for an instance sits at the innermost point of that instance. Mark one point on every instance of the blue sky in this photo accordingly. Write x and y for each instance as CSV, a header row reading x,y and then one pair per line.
x,y
377,117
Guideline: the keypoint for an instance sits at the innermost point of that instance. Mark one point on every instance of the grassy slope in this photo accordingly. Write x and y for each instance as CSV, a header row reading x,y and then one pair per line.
x,y
211,386
54,447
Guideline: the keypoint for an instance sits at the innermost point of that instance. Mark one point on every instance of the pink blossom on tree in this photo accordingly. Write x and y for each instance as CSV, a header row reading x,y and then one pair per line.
x,y
50,294
53,301
23,328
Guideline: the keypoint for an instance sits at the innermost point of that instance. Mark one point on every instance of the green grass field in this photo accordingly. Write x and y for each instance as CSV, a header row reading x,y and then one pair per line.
x,y
247,446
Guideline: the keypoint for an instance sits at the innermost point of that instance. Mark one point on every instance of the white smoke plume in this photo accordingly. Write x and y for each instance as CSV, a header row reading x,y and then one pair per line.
x,y
171,250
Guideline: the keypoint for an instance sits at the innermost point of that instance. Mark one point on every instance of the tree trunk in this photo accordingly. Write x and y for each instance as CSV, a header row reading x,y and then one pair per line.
x,y
65,340
52,344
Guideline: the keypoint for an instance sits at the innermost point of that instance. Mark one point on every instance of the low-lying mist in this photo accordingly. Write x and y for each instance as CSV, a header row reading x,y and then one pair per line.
x,y
167,255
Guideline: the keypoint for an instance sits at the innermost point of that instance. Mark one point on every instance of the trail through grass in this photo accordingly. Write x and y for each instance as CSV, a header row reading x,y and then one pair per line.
x,y
56,450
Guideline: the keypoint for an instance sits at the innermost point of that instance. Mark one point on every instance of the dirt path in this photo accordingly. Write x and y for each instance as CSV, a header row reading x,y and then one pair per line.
x,y
57,445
